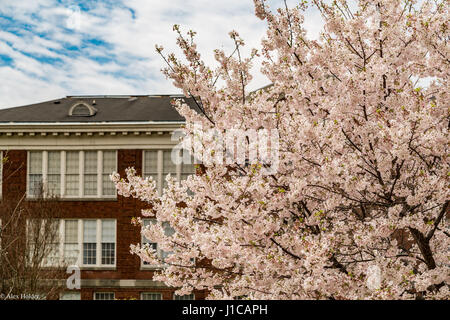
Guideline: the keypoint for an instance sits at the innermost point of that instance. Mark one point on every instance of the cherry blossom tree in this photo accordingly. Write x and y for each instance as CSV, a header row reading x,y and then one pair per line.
x,y
358,205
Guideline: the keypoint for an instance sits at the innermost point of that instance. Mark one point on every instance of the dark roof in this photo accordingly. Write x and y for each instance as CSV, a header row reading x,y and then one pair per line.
x,y
107,109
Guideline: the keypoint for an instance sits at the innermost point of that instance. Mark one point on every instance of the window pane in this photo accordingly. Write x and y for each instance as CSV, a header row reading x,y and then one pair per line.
x,y
54,162
35,185
108,250
89,253
54,173
71,296
151,296
90,162
108,231
109,165
90,242
35,174
35,162
104,296
90,173
90,184
71,253
90,231
168,166
72,183
71,241
108,186
109,162
52,257
151,164
168,230
72,162
71,231
54,184
50,239
185,297
145,241
72,173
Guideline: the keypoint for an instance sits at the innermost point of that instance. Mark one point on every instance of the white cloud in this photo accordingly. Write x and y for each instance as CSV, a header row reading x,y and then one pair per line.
x,y
51,60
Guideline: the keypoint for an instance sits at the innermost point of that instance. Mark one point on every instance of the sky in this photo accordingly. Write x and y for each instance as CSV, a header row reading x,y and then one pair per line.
x,y
53,48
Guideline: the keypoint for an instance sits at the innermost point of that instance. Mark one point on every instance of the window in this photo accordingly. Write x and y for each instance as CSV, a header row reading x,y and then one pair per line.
x,y
151,165
82,109
52,246
71,249
90,173
54,173
146,242
158,164
104,296
70,296
151,296
99,242
108,241
168,230
43,238
185,297
109,165
88,242
169,167
35,174
1,172
71,174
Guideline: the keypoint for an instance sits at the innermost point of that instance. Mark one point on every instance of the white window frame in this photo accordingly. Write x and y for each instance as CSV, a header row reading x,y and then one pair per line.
x,y
192,294
80,195
160,167
70,293
98,258
79,261
104,292
156,293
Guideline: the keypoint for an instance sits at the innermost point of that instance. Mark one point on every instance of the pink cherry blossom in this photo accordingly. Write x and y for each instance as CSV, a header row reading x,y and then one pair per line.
x,y
363,176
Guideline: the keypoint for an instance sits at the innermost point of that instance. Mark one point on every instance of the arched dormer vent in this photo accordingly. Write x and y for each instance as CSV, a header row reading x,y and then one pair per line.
x,y
82,109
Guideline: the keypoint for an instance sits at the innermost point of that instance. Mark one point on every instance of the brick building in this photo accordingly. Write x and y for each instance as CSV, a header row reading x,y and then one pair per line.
x,y
67,148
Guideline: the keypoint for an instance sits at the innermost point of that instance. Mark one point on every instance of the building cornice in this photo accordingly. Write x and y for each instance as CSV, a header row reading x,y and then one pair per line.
x,y
89,128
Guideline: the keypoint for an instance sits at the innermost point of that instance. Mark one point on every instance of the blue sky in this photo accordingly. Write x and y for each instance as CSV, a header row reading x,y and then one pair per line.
x,y
53,48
